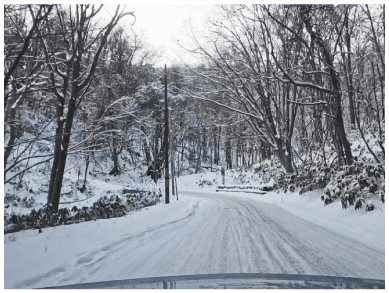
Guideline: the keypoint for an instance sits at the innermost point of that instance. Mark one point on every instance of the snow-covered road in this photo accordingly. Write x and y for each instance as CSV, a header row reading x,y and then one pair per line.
x,y
201,233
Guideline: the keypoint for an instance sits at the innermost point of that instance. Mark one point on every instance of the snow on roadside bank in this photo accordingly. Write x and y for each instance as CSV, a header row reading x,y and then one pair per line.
x,y
22,201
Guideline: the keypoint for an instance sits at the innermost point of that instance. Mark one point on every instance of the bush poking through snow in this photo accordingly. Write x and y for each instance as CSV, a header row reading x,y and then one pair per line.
x,y
104,208
354,184
205,182
327,201
267,188
304,180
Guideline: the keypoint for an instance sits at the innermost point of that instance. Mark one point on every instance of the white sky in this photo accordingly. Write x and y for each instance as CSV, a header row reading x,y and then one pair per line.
x,y
163,24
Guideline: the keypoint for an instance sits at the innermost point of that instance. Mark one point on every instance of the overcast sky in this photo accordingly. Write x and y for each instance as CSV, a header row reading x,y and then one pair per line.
x,y
164,24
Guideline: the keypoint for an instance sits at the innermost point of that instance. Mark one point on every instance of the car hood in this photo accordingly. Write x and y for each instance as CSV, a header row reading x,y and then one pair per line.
x,y
235,281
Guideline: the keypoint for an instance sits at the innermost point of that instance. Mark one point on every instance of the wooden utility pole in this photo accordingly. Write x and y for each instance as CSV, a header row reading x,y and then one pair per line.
x,y
172,170
156,173
166,143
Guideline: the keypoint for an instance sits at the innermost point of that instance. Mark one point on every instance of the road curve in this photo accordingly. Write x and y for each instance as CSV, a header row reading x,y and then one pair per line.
x,y
224,233
234,234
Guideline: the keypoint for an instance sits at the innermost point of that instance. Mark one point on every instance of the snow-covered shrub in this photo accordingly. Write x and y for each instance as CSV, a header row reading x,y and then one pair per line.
x,y
355,184
241,178
9,198
304,179
146,201
265,173
28,202
205,182
105,207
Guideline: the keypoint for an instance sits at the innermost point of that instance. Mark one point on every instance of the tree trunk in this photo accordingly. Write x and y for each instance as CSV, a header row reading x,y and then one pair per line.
x,y
57,150
263,151
173,173
214,143
198,155
116,170
349,76
303,135
82,189
228,152
285,158
182,155
146,147
166,143
218,146
14,130
317,125
63,152
10,119
155,174
9,147
339,124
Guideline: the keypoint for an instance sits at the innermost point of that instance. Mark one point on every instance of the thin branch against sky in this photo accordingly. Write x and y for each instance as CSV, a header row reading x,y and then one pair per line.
x,y
165,24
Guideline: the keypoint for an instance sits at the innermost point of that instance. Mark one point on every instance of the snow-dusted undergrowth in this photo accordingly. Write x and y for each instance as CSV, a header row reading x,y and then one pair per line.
x,y
27,192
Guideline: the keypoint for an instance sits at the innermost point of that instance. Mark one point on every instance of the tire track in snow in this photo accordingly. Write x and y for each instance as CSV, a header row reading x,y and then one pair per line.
x,y
257,233
288,245
325,251
30,282
92,260
286,248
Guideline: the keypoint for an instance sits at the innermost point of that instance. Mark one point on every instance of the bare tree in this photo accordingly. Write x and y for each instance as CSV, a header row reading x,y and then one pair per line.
x,y
241,72
73,68
23,67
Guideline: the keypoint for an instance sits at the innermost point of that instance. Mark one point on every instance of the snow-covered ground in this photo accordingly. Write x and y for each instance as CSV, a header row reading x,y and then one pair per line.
x,y
203,232
32,258
97,186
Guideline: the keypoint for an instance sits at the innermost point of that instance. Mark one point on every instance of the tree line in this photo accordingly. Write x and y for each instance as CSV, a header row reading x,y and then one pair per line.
x,y
298,74
292,81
